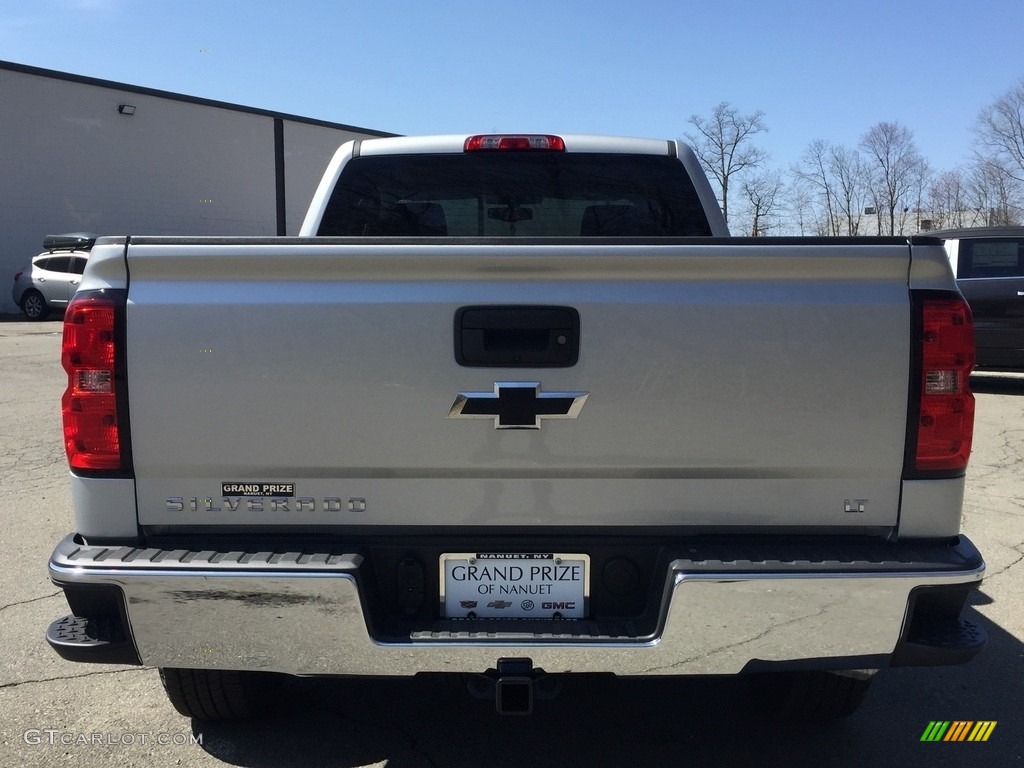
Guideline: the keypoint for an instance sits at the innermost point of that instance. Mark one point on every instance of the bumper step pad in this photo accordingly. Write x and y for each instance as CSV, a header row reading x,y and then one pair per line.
x,y
940,642
95,640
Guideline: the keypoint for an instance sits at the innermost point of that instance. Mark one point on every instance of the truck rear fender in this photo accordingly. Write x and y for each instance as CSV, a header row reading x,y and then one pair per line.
x,y
94,356
941,405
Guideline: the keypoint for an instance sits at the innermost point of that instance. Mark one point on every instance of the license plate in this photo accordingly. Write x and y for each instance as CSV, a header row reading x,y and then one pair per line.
x,y
514,586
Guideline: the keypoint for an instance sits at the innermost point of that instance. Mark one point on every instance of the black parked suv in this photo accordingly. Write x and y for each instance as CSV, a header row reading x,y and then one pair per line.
x,y
989,268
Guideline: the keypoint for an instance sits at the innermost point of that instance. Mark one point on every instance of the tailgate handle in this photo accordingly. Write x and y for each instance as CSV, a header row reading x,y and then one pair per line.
x,y
517,337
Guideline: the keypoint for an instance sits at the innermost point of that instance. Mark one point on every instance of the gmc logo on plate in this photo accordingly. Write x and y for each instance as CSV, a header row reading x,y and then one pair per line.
x,y
558,606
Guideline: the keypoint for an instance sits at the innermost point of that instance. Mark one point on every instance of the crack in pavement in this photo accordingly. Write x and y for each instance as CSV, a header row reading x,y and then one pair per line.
x,y
412,742
1019,548
730,646
415,746
30,600
17,683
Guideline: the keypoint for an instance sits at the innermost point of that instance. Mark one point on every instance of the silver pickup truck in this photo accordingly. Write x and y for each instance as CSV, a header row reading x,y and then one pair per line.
x,y
513,407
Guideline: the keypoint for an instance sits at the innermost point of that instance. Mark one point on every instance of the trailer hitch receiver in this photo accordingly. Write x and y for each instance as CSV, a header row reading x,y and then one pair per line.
x,y
514,686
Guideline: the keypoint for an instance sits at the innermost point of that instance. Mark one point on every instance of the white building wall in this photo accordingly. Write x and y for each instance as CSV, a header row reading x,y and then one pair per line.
x,y
307,150
69,161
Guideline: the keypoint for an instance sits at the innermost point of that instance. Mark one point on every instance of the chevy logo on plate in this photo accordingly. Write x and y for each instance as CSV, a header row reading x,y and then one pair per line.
x,y
517,405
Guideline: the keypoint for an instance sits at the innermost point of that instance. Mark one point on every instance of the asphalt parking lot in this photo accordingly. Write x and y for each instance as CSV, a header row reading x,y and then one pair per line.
x,y
55,712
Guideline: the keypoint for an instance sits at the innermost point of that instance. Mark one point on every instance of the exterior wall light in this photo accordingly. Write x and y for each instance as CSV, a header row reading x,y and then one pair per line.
x,y
126,109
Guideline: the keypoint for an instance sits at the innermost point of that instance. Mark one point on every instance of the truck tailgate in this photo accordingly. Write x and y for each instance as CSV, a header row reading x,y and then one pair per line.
x,y
729,386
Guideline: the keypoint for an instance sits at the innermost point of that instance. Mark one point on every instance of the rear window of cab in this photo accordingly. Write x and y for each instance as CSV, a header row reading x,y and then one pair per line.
x,y
515,194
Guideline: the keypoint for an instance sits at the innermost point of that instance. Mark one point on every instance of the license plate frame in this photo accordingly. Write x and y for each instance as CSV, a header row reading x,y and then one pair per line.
x,y
514,585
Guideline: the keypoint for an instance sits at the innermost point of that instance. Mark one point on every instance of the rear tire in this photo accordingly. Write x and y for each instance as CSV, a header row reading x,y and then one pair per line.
x,y
217,694
34,306
812,694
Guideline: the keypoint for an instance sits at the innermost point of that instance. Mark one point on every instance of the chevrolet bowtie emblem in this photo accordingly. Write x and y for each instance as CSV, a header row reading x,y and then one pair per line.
x,y
517,405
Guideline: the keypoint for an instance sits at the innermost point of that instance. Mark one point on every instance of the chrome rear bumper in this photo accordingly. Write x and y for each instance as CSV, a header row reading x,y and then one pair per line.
x,y
305,614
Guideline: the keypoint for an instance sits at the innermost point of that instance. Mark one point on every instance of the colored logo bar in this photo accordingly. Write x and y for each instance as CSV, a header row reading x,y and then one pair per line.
x,y
959,730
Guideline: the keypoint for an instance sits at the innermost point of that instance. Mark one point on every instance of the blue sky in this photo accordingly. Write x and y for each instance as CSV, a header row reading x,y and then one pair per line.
x,y
821,69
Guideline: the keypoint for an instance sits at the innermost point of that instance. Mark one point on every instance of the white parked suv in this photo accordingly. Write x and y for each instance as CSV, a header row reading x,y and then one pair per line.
x,y
52,278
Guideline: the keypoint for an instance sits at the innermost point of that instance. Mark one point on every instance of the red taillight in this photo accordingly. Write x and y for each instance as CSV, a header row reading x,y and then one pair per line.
x,y
514,143
17,276
946,416
89,355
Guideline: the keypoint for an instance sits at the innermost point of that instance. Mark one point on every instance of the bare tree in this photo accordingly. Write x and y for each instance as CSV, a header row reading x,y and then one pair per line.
x,y
947,200
852,186
763,194
722,143
840,179
812,169
898,174
994,195
1000,132
800,204
997,174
